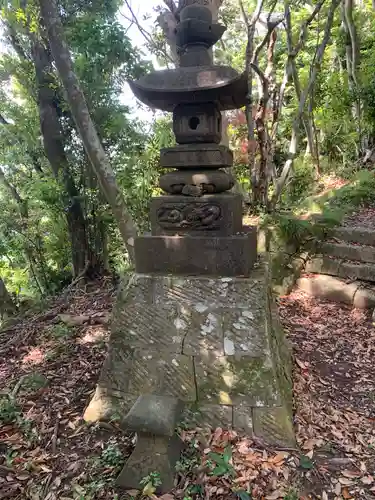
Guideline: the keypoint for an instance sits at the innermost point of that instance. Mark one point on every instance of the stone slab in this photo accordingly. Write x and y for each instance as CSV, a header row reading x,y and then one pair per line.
x,y
193,255
357,271
209,416
361,235
323,264
151,454
217,214
328,287
127,370
364,298
274,426
154,414
196,156
361,253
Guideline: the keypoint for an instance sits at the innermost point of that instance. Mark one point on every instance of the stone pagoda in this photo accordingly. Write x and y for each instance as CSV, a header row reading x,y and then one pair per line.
x,y
197,226
195,328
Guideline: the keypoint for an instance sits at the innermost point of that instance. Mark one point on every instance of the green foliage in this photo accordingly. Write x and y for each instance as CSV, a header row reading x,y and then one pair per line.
x,y
150,483
302,183
222,463
34,381
292,495
112,456
10,411
60,331
306,462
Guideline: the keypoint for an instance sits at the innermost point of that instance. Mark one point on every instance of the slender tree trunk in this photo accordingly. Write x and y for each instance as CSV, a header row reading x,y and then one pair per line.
x,y
84,123
250,27
318,57
54,149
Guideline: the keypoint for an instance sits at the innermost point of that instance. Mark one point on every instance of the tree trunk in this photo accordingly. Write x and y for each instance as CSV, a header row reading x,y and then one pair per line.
x,y
318,57
54,148
84,123
7,306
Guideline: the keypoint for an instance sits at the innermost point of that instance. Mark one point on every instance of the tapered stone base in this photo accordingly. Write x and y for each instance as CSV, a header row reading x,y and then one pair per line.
x,y
215,343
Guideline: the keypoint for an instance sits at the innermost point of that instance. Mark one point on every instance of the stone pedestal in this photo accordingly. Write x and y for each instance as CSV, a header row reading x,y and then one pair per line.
x,y
214,343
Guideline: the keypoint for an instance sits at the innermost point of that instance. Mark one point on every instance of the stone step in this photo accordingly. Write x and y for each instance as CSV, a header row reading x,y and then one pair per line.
x,y
360,253
338,290
324,264
362,235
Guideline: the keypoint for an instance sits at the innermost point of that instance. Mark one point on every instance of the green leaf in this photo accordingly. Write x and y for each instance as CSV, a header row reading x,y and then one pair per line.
x,y
305,462
220,470
227,454
216,457
242,495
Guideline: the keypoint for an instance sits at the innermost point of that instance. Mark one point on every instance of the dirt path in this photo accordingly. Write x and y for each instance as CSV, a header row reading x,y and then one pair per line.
x,y
48,453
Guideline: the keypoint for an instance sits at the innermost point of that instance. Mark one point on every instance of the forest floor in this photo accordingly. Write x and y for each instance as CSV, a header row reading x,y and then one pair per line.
x,y
50,361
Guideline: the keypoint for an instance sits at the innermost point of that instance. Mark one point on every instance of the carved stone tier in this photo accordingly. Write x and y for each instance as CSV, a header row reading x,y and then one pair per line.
x,y
196,182
193,123
168,88
219,214
195,255
196,156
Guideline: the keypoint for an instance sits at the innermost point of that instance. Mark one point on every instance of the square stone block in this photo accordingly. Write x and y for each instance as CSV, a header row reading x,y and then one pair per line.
x,y
197,123
155,415
194,255
196,156
214,214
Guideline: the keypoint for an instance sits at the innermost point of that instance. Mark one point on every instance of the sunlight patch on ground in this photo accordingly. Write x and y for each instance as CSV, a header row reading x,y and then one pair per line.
x,y
34,357
92,335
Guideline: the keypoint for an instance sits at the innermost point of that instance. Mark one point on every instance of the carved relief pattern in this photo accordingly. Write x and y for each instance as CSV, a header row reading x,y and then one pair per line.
x,y
201,216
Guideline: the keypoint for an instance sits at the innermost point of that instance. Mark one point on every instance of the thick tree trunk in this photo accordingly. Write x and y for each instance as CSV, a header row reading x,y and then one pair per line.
x,y
54,148
84,123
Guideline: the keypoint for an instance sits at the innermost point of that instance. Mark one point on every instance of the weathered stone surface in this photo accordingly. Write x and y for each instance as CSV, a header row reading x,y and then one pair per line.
x,y
203,182
243,419
234,349
361,235
196,155
218,214
358,271
328,287
210,416
323,264
131,371
166,89
243,331
348,251
194,255
231,380
194,123
107,404
154,415
364,298
274,425
151,454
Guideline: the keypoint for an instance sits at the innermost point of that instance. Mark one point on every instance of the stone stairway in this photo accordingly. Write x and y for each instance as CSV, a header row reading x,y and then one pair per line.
x,y
343,270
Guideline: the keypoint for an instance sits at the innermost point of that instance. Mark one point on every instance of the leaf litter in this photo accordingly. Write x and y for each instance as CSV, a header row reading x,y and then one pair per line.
x,y
47,452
